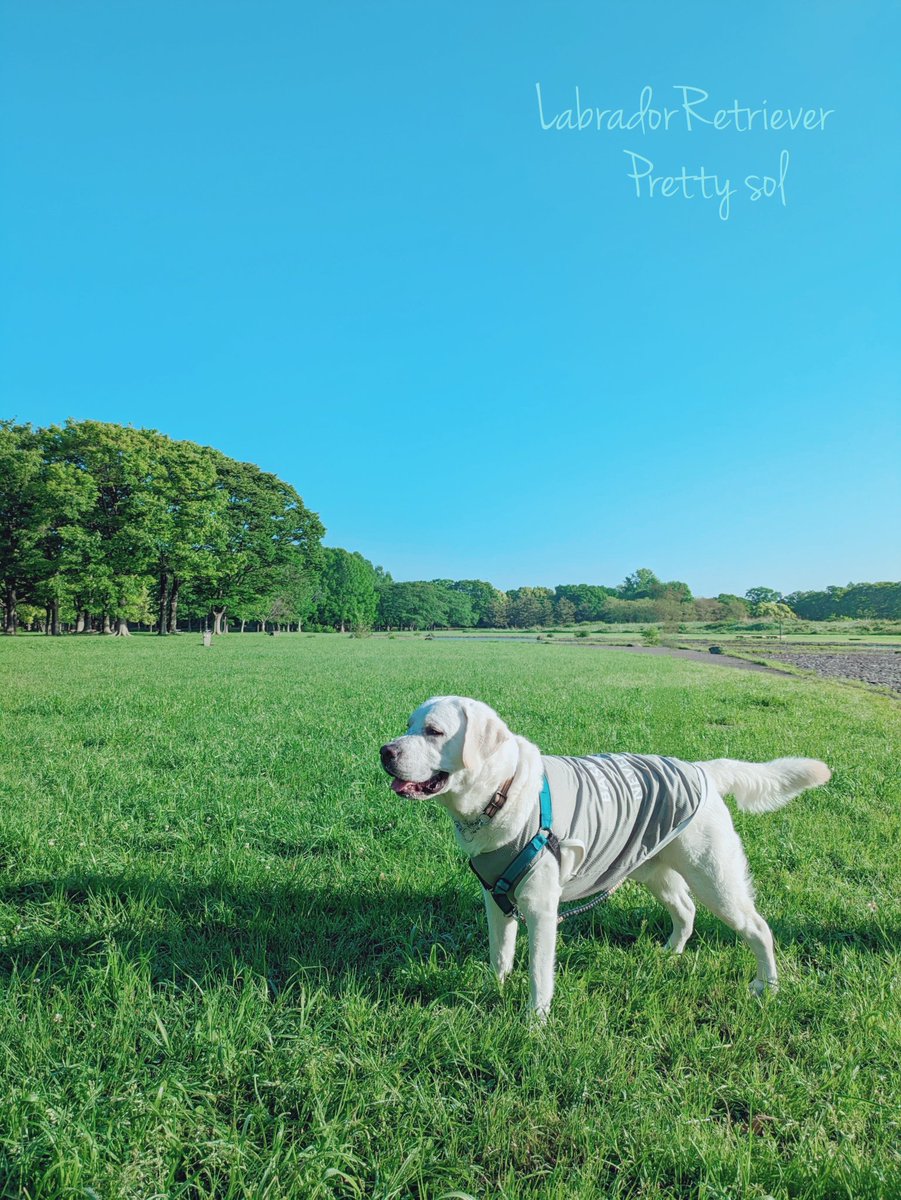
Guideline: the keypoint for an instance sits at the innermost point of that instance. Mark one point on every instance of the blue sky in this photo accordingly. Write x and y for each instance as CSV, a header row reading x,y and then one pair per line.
x,y
334,239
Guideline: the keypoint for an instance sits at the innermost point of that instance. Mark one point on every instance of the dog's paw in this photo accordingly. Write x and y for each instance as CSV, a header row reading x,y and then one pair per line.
x,y
673,947
763,987
538,1018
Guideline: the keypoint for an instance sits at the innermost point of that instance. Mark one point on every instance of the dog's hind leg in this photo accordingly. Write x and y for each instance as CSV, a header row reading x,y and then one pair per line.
x,y
710,857
672,891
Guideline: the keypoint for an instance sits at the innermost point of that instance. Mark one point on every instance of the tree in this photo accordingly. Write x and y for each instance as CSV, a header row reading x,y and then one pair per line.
x,y
775,611
418,604
677,591
260,524
182,518
588,599
880,601
642,585
66,499
114,546
294,594
92,513
735,608
867,601
817,606
530,606
349,592
761,595
564,611
425,605
414,605
484,598
458,610
639,612
20,516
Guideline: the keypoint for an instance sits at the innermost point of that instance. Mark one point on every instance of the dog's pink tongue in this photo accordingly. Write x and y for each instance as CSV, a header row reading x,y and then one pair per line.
x,y
403,787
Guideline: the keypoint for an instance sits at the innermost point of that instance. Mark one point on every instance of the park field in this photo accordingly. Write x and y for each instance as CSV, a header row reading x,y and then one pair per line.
x,y
235,965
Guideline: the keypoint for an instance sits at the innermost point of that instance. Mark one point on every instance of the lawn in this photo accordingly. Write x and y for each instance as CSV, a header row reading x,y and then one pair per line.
x,y
234,964
699,634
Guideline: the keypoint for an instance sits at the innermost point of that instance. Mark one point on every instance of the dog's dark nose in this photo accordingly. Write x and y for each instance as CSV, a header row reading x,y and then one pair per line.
x,y
389,755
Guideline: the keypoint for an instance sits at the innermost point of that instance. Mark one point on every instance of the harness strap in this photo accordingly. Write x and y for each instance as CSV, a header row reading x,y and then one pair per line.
x,y
526,858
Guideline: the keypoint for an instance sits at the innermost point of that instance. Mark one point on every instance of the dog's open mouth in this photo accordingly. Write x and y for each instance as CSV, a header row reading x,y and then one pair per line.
x,y
418,789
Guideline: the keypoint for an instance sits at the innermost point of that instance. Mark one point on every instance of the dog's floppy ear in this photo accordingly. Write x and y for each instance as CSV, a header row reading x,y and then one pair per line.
x,y
485,733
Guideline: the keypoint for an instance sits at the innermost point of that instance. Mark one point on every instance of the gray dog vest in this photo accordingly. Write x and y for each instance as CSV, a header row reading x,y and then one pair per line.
x,y
622,808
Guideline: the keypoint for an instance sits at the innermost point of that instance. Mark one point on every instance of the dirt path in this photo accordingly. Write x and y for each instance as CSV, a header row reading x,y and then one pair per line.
x,y
721,660
712,660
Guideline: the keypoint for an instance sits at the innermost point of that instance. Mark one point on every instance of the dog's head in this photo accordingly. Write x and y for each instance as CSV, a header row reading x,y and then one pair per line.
x,y
448,742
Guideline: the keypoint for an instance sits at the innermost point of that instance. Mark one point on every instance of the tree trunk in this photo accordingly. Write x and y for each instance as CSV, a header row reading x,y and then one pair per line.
x,y
12,614
163,604
218,614
122,629
79,622
243,623
54,618
107,628
173,604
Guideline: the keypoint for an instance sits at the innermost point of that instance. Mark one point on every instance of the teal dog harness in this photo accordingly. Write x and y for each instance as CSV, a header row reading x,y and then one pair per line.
x,y
543,839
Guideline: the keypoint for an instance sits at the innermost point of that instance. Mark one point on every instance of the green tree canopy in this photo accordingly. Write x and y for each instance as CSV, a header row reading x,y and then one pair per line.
x,y
756,596
530,606
93,515
22,521
349,590
485,599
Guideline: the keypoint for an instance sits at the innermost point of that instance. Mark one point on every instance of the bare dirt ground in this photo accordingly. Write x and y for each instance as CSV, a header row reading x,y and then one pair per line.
x,y
879,667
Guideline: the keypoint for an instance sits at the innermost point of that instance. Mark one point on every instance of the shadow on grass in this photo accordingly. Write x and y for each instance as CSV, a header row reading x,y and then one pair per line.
x,y
185,930
387,936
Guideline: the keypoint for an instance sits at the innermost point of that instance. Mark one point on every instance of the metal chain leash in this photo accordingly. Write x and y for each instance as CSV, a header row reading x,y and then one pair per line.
x,y
589,904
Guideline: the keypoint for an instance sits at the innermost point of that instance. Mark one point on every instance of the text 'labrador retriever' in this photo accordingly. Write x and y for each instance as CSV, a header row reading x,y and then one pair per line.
x,y
541,829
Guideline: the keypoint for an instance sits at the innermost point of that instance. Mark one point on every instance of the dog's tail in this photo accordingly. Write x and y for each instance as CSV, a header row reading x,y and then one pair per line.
x,y
763,787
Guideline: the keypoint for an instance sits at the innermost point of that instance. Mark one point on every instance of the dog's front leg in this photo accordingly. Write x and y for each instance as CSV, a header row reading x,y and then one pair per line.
x,y
539,899
501,938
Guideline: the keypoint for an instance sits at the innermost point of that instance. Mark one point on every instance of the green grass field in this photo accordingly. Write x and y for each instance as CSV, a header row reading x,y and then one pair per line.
x,y
234,964
699,634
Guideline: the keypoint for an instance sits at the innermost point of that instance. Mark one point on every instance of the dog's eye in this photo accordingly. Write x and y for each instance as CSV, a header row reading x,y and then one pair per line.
x,y
430,732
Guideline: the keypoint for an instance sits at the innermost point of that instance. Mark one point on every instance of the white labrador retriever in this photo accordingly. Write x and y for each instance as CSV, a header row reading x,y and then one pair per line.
x,y
658,820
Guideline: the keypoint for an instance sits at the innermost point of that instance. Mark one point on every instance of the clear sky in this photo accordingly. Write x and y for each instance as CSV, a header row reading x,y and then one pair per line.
x,y
335,240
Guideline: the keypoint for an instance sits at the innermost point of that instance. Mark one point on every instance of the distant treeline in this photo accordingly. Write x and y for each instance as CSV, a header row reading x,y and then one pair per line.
x,y
870,601
355,592
105,528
